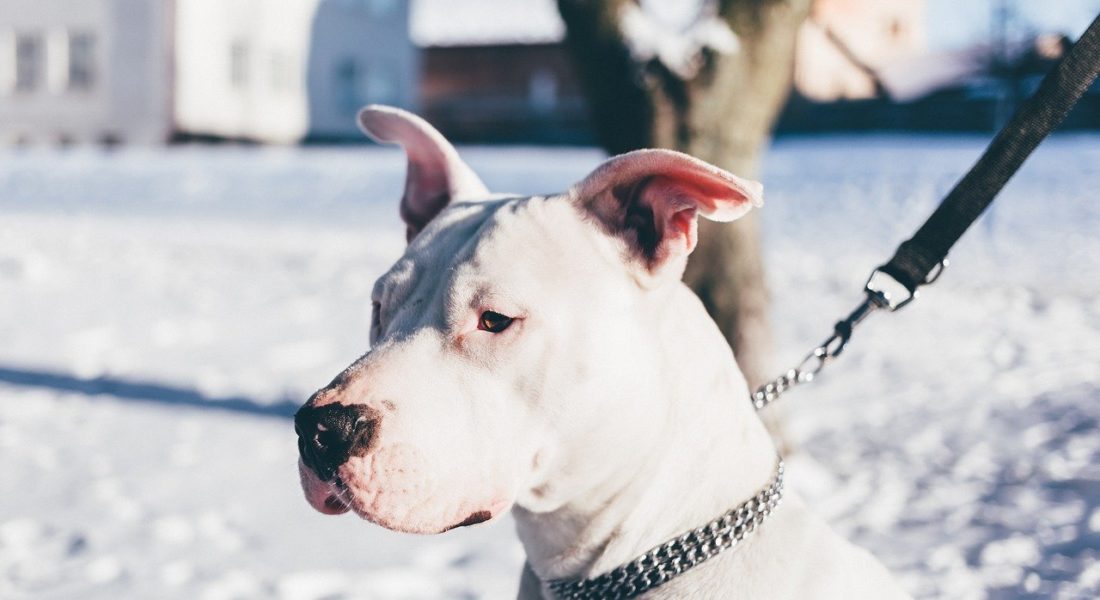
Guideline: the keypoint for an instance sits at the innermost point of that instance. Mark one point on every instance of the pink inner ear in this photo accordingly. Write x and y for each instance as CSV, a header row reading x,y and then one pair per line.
x,y
683,225
650,200
717,195
675,203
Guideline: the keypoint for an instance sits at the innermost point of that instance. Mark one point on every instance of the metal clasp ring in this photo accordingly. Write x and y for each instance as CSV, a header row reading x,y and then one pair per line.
x,y
822,355
936,271
887,292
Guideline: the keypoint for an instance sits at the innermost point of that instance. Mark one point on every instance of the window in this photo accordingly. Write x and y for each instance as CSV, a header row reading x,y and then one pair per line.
x,y
238,64
82,72
349,85
542,91
357,85
381,84
28,62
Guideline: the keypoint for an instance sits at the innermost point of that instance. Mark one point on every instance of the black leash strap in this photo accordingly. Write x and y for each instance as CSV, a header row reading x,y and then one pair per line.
x,y
1032,122
921,259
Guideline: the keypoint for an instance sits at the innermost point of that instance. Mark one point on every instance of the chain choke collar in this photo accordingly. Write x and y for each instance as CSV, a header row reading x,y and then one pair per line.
x,y
676,556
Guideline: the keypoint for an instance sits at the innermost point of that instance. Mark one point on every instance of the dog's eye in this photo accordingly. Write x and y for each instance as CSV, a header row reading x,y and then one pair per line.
x,y
493,322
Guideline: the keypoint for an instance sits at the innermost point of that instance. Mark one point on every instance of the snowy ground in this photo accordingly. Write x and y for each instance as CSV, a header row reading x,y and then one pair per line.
x,y
163,312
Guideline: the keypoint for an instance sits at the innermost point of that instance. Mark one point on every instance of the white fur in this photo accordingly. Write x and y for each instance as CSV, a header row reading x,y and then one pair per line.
x,y
609,417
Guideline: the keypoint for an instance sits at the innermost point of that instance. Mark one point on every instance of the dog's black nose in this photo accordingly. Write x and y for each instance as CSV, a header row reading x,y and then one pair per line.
x,y
329,435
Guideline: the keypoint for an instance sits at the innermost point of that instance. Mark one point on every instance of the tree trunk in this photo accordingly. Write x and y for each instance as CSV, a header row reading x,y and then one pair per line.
x,y
723,113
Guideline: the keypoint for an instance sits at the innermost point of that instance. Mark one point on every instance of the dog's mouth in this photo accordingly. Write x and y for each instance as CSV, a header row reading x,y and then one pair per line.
x,y
347,491
338,501
477,517
327,497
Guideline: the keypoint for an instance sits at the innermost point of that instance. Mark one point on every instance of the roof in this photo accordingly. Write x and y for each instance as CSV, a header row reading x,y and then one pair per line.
x,y
485,22
499,22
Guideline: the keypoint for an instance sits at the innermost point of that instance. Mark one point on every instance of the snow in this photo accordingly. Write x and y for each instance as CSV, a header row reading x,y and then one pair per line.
x,y
676,43
165,310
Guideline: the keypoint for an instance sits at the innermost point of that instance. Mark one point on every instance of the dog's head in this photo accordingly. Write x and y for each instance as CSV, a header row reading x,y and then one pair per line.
x,y
513,346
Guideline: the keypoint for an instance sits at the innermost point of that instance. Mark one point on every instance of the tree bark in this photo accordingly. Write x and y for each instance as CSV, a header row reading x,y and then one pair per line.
x,y
723,114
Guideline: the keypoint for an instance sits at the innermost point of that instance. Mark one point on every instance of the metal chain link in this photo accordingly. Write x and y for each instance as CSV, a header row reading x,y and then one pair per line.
x,y
883,292
670,559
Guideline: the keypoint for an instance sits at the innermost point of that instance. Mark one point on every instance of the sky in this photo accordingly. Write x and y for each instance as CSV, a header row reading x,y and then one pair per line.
x,y
954,23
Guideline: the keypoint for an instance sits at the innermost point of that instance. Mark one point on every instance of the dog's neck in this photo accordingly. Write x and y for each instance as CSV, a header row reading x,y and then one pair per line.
x,y
713,454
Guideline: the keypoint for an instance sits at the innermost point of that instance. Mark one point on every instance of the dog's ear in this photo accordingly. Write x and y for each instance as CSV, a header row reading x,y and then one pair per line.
x,y
650,200
436,175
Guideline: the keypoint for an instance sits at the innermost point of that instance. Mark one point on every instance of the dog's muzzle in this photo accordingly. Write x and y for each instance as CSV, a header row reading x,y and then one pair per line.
x,y
329,435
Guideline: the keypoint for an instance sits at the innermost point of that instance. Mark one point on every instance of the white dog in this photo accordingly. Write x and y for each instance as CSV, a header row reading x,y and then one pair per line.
x,y
540,354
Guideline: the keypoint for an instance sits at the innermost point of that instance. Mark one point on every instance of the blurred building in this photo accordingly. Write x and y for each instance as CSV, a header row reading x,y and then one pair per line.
x,y
498,71
84,70
283,71
156,70
844,43
359,53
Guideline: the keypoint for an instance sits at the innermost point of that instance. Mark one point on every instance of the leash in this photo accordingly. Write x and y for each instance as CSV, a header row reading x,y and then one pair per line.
x,y
921,259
